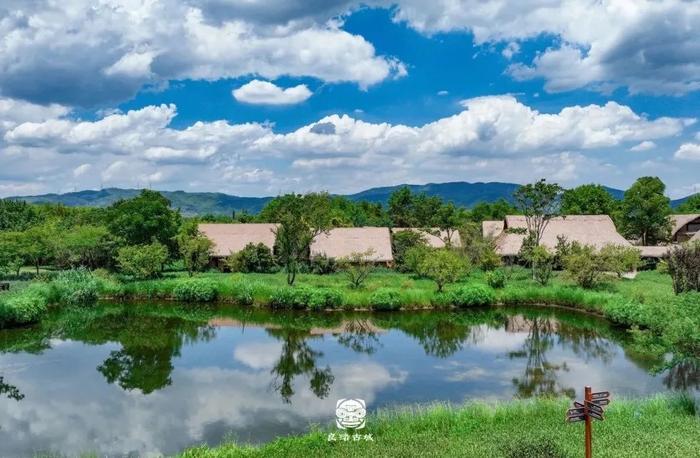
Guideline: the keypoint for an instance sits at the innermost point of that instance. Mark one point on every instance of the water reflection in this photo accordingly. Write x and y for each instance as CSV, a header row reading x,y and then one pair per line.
x,y
10,391
189,376
298,358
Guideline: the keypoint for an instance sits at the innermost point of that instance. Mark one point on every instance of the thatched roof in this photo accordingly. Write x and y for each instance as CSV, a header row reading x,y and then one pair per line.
x,y
658,251
595,230
492,229
678,221
344,241
435,241
232,238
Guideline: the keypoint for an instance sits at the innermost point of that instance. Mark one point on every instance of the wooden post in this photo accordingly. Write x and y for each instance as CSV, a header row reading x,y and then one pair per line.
x,y
588,398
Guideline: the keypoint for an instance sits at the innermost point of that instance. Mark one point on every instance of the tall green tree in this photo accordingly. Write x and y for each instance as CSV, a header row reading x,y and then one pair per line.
x,y
645,211
39,244
691,205
194,248
449,218
85,245
588,199
538,202
497,210
401,208
300,218
17,215
144,218
12,253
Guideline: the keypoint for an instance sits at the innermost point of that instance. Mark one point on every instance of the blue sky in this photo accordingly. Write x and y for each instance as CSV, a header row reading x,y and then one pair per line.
x,y
256,98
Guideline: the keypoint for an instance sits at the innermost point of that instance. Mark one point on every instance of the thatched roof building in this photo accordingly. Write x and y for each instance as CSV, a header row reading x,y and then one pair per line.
x,y
492,229
232,238
595,230
685,227
434,237
344,241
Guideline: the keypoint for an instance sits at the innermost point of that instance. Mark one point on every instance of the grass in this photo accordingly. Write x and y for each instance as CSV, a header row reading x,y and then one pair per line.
x,y
654,427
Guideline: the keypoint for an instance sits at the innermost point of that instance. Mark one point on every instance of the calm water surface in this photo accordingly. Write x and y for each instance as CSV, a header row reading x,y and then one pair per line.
x,y
153,379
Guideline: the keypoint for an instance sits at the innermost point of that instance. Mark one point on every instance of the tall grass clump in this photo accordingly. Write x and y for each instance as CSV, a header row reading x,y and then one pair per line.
x,y
195,290
243,293
473,296
325,298
385,299
291,297
76,287
25,306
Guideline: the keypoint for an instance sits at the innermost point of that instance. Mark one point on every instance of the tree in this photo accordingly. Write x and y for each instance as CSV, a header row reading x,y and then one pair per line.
x,y
11,252
538,202
300,218
401,208
39,244
252,258
448,218
357,267
444,266
87,245
542,264
645,211
620,259
588,199
144,218
195,250
584,265
17,215
691,205
401,242
497,210
142,261
684,267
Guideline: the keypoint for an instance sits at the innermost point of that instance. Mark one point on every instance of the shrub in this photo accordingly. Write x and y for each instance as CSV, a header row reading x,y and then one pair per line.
x,y
252,258
25,306
444,266
584,265
385,299
357,267
684,267
288,297
195,290
325,298
76,287
473,296
542,264
401,242
620,259
496,279
243,293
323,265
489,259
142,261
413,259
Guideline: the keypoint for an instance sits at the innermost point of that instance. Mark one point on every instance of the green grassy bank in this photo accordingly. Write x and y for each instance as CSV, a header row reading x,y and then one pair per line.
x,y
661,321
662,426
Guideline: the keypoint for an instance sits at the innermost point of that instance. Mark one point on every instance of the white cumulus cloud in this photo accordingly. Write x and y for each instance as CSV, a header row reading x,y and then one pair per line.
x,y
259,92
688,151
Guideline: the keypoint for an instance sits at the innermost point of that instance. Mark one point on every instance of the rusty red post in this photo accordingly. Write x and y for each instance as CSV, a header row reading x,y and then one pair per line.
x,y
587,399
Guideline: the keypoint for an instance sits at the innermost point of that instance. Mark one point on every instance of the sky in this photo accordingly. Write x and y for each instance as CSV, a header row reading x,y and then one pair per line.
x,y
261,97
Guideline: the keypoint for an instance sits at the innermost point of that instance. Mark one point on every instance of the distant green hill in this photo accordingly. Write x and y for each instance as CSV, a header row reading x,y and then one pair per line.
x,y
200,203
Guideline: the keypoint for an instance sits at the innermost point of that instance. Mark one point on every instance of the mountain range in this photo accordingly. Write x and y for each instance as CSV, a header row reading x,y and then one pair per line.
x,y
200,203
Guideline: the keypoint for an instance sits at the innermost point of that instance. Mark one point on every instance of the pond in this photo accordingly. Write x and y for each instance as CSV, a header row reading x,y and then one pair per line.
x,y
149,379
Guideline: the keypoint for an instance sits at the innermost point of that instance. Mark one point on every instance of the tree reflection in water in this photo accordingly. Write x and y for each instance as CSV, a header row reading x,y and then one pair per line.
x,y
540,377
10,391
360,336
298,358
149,345
684,375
